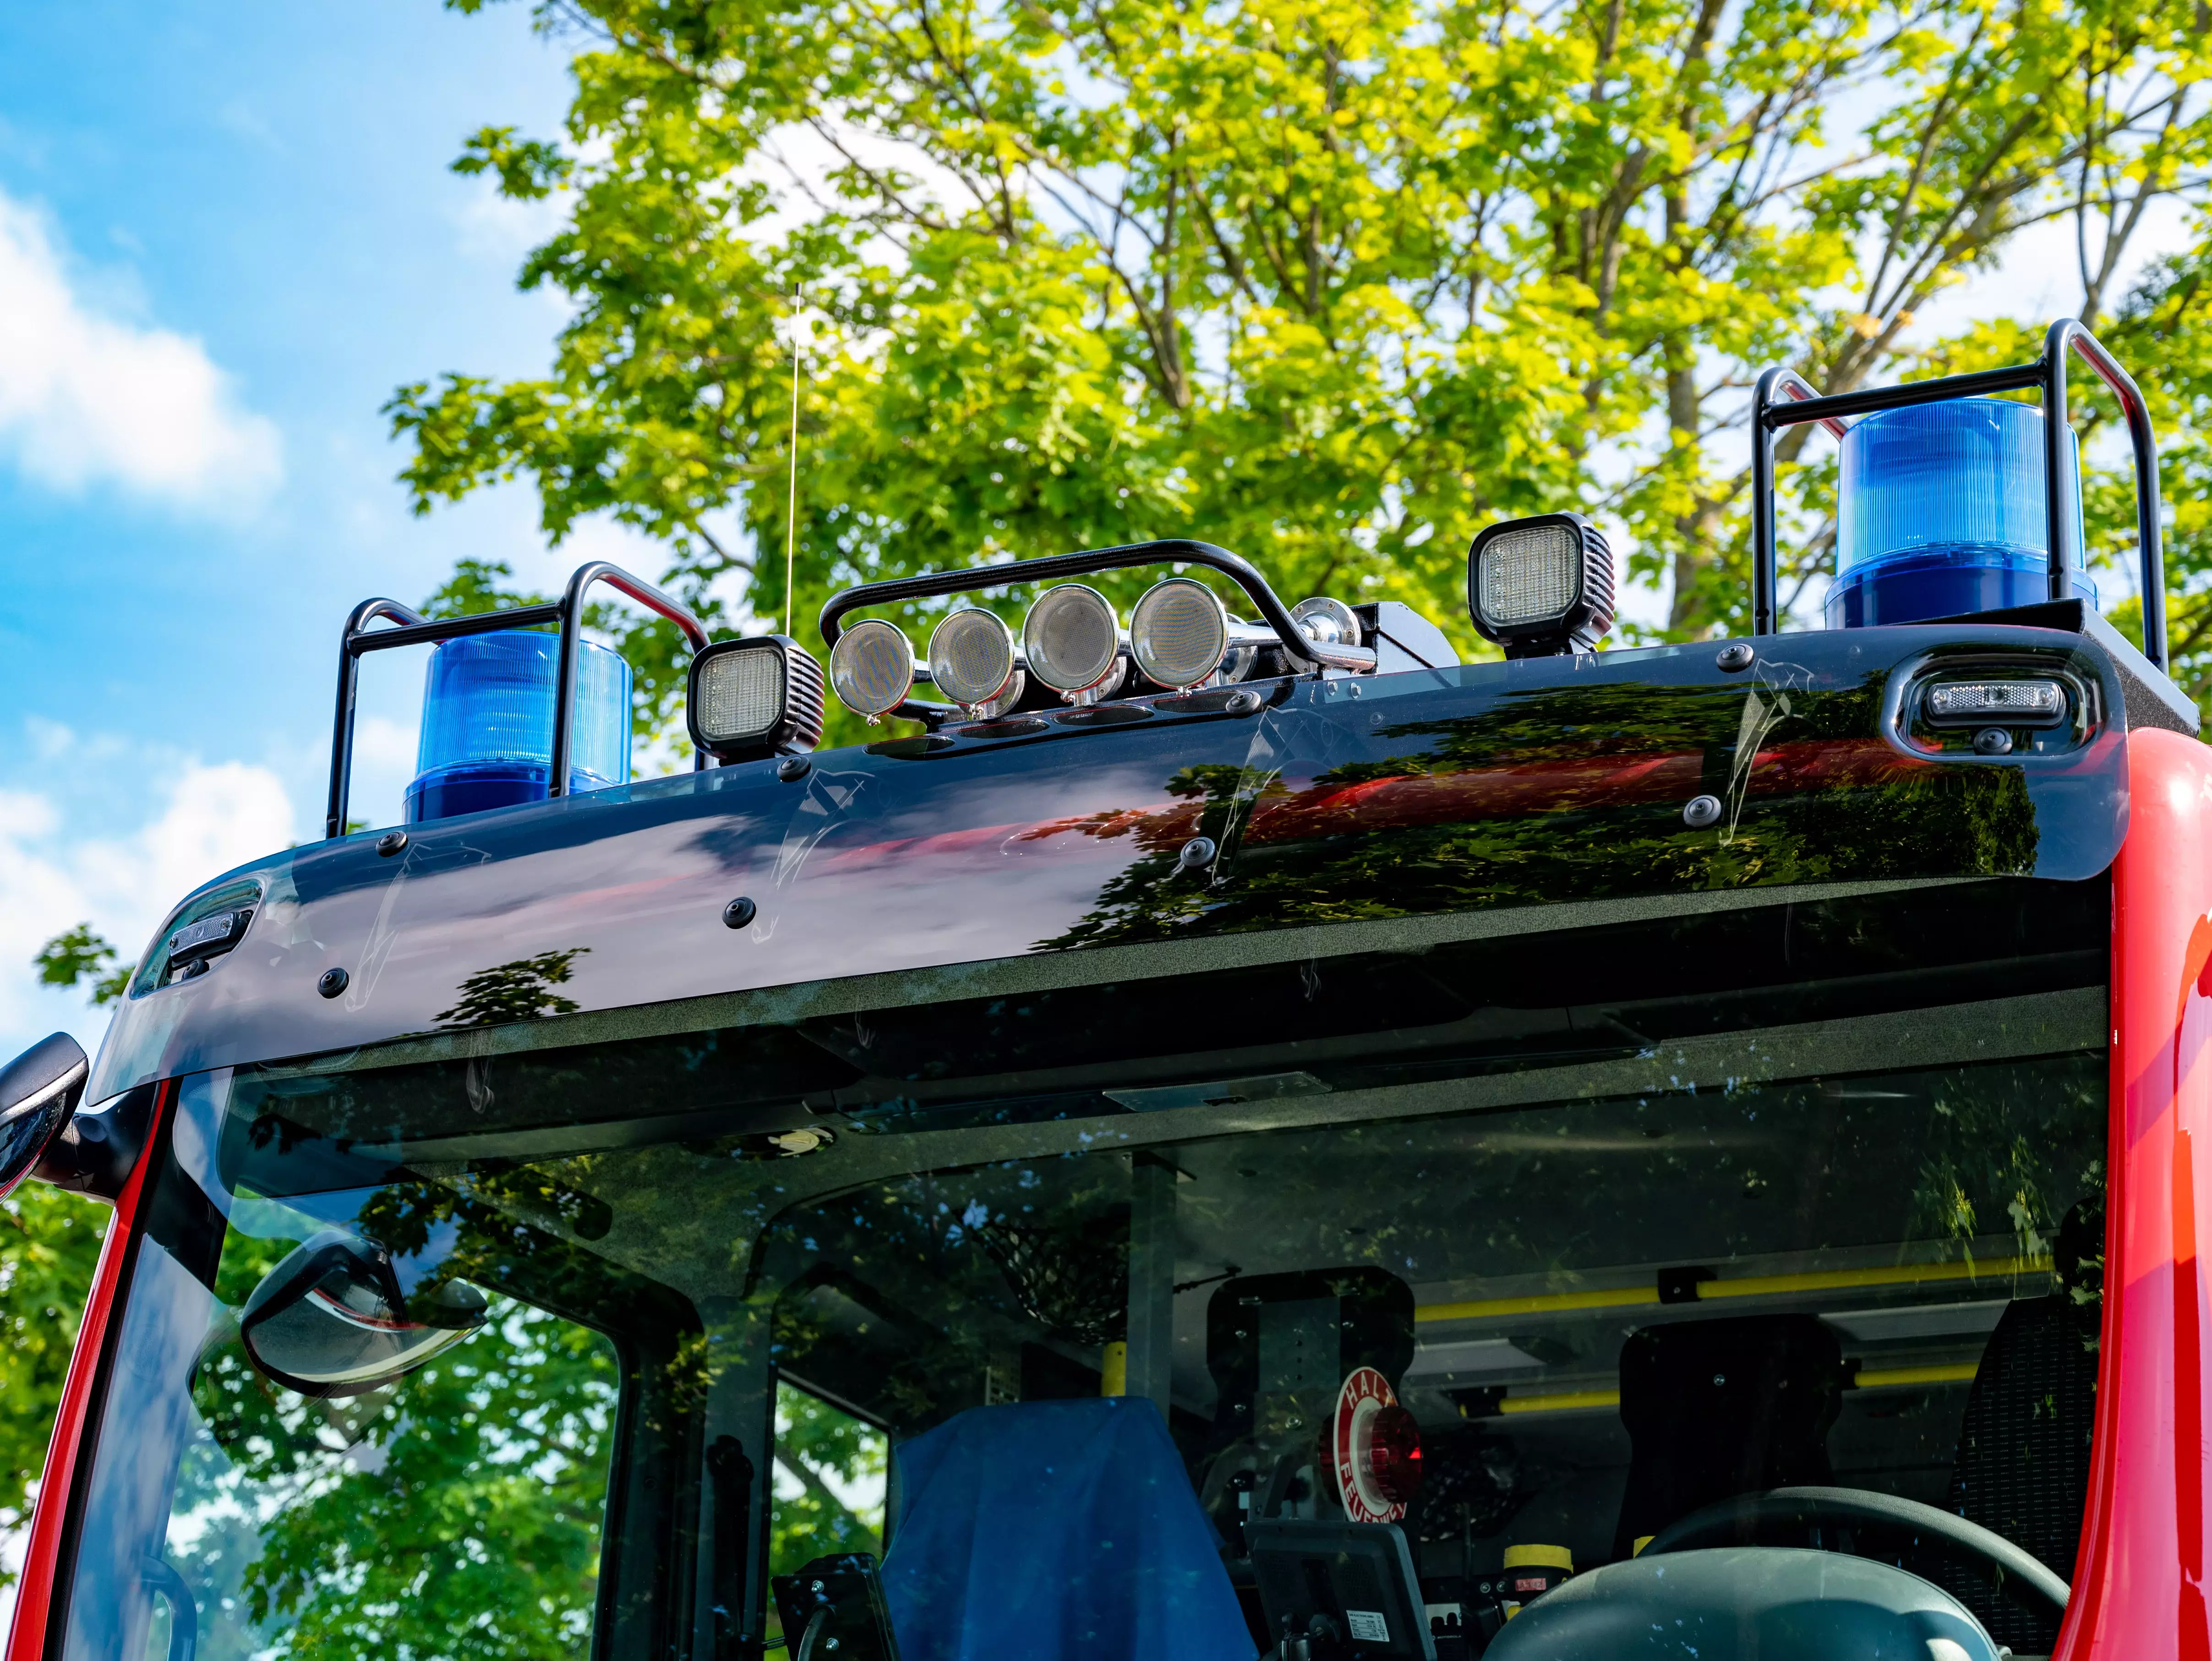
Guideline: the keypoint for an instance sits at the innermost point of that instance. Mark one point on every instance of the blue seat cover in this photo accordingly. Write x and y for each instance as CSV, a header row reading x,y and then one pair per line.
x,y
1056,1532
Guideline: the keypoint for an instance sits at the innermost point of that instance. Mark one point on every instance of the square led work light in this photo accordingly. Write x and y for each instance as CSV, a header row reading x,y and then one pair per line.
x,y
1542,586
755,697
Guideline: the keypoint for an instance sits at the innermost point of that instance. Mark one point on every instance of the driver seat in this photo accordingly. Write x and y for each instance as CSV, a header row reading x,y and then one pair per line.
x,y
1056,1532
2022,1467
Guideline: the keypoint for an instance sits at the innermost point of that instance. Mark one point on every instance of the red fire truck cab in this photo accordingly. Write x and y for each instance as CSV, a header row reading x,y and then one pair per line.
x,y
1239,1138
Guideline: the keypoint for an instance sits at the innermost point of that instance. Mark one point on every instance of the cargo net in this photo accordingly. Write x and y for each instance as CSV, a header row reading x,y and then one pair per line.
x,y
1072,1282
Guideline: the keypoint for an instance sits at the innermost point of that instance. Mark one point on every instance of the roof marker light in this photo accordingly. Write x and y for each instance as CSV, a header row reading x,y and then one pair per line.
x,y
1179,632
487,737
1940,511
871,667
2003,702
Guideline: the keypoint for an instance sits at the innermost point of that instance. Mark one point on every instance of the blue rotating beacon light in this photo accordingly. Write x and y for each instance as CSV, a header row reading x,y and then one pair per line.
x,y
1941,510
487,738
1950,498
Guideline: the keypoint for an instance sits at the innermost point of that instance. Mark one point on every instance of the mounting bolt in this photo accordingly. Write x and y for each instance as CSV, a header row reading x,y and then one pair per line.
x,y
1737,654
1700,812
1243,704
390,842
1197,854
791,769
332,983
1993,741
739,912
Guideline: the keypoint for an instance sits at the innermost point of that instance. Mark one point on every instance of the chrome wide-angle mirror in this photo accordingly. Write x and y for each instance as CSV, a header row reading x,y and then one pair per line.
x,y
331,1319
39,1090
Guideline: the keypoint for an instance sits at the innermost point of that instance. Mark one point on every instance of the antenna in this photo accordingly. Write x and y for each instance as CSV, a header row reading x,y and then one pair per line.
x,y
791,507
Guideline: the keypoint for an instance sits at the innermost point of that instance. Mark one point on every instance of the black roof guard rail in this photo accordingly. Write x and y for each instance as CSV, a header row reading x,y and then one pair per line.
x,y
1771,413
1301,647
414,629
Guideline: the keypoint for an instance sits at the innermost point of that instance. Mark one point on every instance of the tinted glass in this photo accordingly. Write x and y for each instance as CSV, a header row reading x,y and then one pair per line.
x,y
1099,1294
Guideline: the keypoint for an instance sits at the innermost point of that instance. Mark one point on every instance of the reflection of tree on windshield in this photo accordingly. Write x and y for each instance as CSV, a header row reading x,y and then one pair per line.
x,y
830,1471
456,1513
460,1519
1555,797
518,991
1988,1167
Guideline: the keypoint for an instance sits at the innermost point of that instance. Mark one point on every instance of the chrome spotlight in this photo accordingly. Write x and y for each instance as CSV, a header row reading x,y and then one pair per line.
x,y
1181,635
972,661
871,667
1073,642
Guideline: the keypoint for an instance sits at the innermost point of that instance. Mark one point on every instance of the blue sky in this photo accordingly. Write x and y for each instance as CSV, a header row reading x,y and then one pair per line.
x,y
227,232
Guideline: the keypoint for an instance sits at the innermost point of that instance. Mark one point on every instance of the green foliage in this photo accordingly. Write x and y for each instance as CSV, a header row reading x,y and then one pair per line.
x,y
456,1514
528,169
79,955
48,1249
1329,283
474,589
817,1446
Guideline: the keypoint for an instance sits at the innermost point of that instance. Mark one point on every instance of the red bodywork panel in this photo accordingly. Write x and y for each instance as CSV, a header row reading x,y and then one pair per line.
x,y
34,1592
2139,1590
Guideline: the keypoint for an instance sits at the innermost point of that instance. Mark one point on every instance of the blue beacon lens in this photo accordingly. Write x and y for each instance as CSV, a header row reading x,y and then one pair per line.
x,y
1941,512
487,723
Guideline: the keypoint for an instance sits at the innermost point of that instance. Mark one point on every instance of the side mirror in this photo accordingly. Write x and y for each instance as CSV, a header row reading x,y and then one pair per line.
x,y
39,1090
330,1320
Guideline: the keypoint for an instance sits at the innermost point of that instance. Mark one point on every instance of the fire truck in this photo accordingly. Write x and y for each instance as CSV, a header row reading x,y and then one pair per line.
x,y
1239,1134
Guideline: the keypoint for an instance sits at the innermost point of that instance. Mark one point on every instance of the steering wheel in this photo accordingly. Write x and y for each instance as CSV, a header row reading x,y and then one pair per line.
x,y
1791,1515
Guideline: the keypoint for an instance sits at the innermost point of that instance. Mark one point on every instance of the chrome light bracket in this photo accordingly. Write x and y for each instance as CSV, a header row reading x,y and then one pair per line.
x,y
1305,653
1782,399
566,613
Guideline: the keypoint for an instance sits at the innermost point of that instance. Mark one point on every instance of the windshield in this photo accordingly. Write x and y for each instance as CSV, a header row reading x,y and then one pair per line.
x,y
1003,1303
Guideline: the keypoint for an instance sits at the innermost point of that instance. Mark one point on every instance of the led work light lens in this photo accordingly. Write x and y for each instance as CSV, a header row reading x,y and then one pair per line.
x,y
741,694
1071,638
871,668
1979,702
1529,574
971,657
1179,632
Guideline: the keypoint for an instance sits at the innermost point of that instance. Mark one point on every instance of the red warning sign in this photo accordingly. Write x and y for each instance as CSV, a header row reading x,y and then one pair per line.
x,y
1377,1450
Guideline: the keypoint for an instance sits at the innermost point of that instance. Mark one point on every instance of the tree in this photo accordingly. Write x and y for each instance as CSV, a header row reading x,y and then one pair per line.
x,y
48,1250
47,1256
826,1463
79,955
1331,283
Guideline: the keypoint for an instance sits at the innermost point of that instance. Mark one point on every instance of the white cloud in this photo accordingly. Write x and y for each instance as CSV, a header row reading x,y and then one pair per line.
x,y
383,757
53,876
88,398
